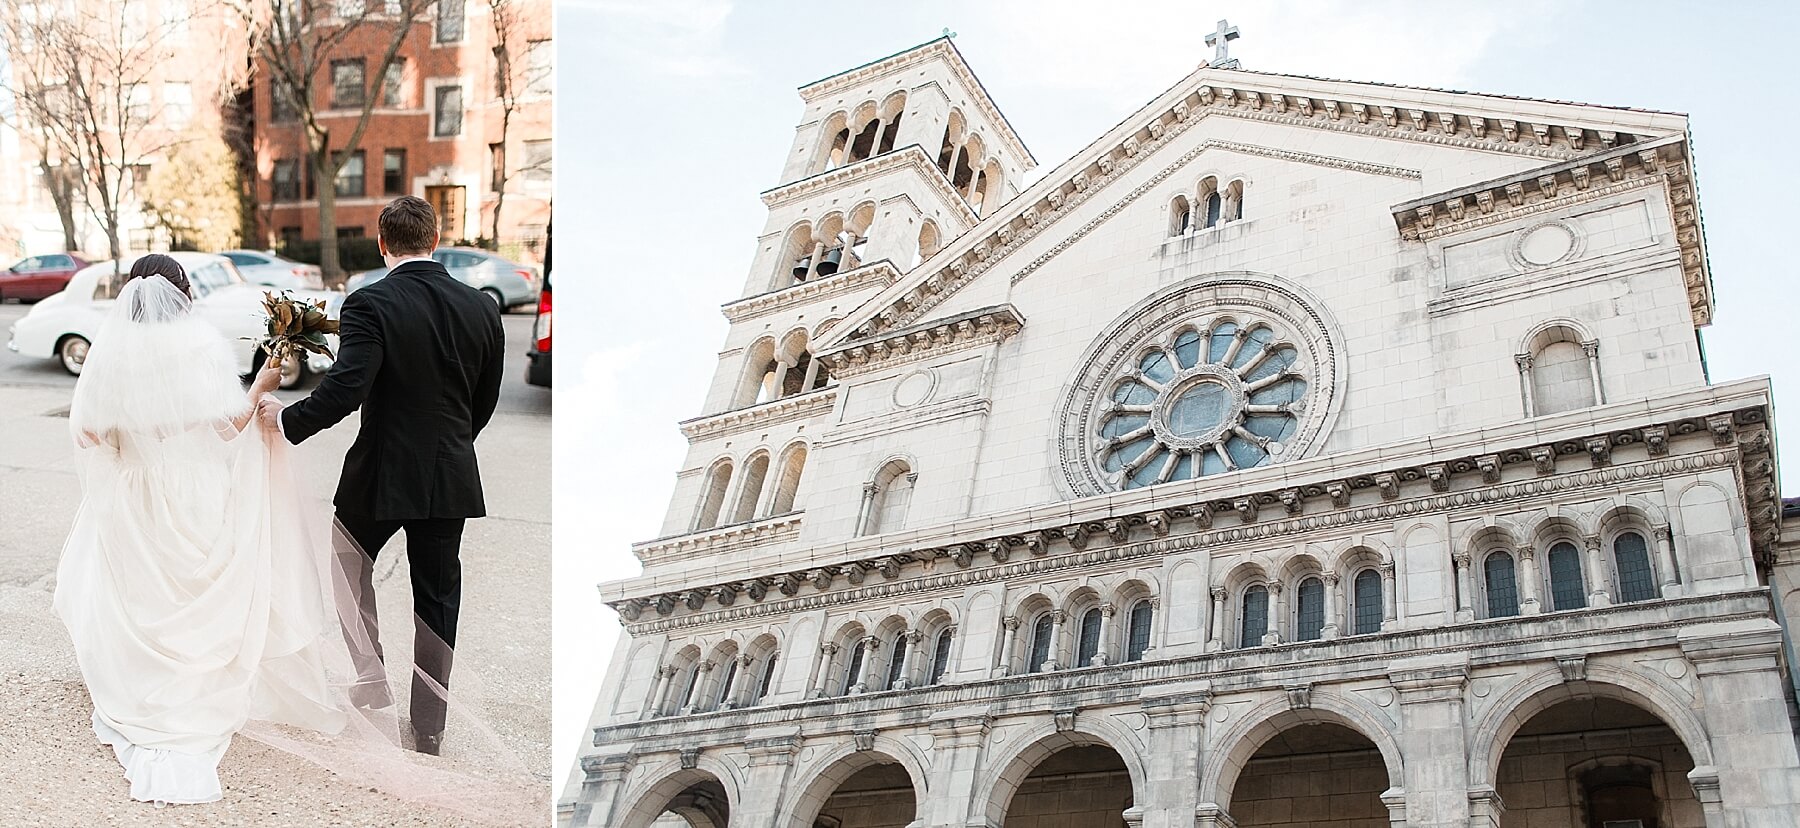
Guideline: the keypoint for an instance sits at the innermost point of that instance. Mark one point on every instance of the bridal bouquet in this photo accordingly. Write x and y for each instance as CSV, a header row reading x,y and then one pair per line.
x,y
295,325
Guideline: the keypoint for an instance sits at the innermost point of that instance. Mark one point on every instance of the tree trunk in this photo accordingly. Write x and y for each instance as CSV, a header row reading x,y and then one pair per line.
x,y
57,181
325,185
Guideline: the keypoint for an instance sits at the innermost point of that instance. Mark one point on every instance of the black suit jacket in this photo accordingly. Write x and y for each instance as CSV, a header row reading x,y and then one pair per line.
x,y
420,354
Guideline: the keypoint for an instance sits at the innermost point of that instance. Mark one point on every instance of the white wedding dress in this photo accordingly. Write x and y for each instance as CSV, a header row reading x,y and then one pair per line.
x,y
188,584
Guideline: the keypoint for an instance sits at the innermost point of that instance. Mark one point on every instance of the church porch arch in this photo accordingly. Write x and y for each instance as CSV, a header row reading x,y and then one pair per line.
x,y
1005,775
1228,755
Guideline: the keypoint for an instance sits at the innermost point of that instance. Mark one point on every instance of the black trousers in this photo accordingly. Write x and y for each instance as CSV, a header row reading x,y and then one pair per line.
x,y
433,547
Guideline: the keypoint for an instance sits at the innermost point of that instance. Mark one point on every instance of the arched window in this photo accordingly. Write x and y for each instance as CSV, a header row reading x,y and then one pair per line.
x,y
755,472
1255,623
687,690
896,660
712,499
1139,636
940,656
1368,602
768,678
793,464
853,671
1181,216
928,242
723,700
1309,616
1567,591
1632,556
1502,585
1089,645
1560,371
1234,201
1215,208
889,497
1041,630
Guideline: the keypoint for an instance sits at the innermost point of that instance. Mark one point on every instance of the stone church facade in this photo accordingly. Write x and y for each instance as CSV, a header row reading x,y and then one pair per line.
x,y
1299,453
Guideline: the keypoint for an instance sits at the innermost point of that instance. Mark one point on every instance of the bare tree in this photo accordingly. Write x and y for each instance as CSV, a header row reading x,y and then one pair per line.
x,y
296,42
83,73
504,15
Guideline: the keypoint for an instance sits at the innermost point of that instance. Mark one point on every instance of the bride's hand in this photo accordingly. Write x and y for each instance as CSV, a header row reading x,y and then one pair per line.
x,y
267,379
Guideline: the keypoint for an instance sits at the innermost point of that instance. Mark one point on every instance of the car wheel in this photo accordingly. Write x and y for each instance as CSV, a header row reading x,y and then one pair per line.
x,y
499,301
72,351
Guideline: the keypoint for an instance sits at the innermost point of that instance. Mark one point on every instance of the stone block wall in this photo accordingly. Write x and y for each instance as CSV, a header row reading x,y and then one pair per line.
x,y
1539,781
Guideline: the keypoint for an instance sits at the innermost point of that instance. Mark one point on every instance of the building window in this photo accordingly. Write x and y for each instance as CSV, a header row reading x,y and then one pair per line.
x,y
286,180
1309,619
137,104
1368,602
447,121
450,21
1502,585
1181,216
393,172
687,693
1566,589
940,656
713,498
1041,630
1632,556
1215,206
889,498
393,85
539,67
537,161
178,104
768,678
1089,644
1138,640
496,166
896,661
1255,622
724,699
175,14
350,177
348,89
283,109
290,236
853,675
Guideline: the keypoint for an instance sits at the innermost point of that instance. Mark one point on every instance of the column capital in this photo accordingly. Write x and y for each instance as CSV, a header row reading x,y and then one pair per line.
x,y
1058,616
1731,647
1429,679
1331,579
870,642
914,636
611,768
1523,361
1462,559
1218,593
961,727
1386,568
829,648
1011,622
1525,551
1188,708
1664,533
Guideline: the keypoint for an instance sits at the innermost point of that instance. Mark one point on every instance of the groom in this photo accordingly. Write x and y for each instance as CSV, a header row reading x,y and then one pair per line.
x,y
420,354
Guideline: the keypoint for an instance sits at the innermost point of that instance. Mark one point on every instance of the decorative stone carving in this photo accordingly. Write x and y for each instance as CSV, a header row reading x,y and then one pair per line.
x,y
1299,696
1340,493
998,550
1076,535
1720,426
1388,484
1599,449
1490,467
690,758
1291,501
1544,459
1246,508
865,740
1065,720
1656,440
820,579
1439,476
1573,667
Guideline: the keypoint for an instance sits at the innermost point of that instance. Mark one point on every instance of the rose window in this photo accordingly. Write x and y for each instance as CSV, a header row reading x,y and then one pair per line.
x,y
1213,398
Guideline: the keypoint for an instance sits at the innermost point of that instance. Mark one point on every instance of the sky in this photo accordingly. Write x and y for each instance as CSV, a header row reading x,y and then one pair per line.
x,y
673,115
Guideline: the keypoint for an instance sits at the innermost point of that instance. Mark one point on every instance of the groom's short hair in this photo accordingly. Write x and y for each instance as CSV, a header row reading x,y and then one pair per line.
x,y
408,226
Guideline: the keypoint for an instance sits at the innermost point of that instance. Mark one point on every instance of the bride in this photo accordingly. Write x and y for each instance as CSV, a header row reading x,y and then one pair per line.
x,y
202,598
189,613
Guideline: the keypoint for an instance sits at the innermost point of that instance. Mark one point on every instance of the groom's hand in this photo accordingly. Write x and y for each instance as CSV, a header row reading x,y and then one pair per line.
x,y
268,409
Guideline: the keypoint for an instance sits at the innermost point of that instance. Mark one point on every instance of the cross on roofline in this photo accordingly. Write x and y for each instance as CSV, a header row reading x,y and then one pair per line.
x,y
1220,39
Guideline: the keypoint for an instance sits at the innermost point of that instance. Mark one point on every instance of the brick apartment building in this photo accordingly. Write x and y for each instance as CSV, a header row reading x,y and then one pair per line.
x,y
435,132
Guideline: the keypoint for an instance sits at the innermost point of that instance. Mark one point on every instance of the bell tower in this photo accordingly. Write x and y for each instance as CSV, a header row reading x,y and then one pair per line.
x,y
891,160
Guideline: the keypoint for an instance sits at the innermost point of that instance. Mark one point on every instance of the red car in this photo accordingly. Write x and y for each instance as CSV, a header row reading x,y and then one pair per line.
x,y
39,277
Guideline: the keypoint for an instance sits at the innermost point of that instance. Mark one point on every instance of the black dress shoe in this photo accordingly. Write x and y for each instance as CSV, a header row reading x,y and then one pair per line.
x,y
429,745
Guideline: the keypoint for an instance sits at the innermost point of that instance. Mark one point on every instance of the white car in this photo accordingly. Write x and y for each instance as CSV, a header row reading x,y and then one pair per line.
x,y
64,325
261,267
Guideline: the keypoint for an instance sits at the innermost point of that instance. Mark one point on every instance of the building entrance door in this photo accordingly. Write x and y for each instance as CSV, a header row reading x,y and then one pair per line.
x,y
448,203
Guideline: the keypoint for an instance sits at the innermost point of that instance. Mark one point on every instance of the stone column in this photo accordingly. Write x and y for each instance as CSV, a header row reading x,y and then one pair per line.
x,y
734,694
957,738
871,648
864,513
659,694
1431,692
1277,613
822,670
909,667
812,264
771,762
812,375
1595,564
602,784
1101,658
1176,730
1528,580
1011,624
1524,361
1665,561
1332,613
1754,778
1156,625
691,703
782,367
1390,598
1215,637
1058,620
1592,349
1464,587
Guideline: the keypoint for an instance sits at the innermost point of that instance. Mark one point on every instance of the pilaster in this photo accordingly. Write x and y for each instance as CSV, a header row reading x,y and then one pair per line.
x,y
602,785
1177,727
957,738
771,760
1431,730
1755,773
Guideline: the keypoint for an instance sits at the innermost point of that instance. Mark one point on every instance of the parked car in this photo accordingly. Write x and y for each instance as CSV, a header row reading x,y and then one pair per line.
x,y
261,267
509,284
537,368
36,277
63,326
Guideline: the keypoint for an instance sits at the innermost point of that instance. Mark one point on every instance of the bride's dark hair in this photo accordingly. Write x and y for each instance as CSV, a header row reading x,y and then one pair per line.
x,y
156,264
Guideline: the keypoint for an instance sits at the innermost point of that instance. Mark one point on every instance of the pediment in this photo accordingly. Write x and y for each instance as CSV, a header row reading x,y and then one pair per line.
x,y
1551,133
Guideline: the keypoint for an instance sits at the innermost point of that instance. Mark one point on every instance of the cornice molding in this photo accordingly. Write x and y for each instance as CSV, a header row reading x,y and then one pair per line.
x,y
734,537
1264,99
910,157
954,333
1664,161
941,47
774,412
1297,504
881,272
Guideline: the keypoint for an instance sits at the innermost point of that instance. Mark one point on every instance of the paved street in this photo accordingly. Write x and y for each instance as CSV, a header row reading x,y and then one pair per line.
x,y
503,657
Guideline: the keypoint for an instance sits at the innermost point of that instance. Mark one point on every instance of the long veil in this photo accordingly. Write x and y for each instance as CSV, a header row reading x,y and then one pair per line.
x,y
207,596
